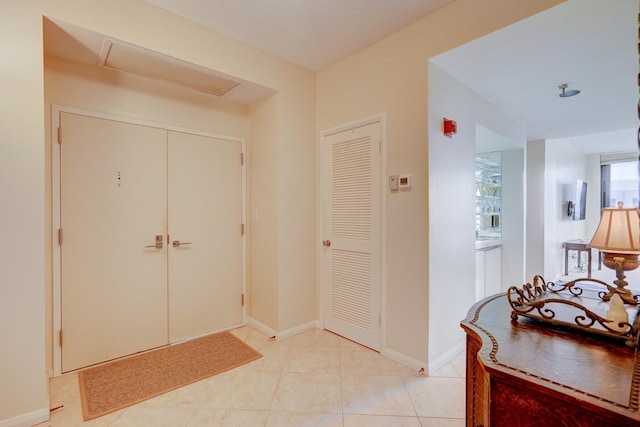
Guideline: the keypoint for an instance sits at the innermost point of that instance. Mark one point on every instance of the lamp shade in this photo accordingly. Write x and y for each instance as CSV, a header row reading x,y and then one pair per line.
x,y
618,231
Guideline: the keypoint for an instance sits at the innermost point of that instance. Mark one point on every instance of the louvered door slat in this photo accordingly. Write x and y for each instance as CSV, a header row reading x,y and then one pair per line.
x,y
351,198
352,288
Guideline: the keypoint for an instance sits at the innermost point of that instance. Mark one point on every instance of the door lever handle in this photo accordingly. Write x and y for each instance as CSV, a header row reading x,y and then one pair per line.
x,y
178,243
158,244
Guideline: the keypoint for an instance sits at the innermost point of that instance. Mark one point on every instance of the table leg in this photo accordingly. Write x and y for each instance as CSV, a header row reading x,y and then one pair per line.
x,y
599,260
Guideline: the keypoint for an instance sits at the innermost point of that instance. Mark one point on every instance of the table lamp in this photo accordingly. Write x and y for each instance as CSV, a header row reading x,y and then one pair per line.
x,y
618,236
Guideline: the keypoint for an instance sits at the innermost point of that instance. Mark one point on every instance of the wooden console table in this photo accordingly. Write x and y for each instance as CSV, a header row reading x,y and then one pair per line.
x,y
580,246
523,373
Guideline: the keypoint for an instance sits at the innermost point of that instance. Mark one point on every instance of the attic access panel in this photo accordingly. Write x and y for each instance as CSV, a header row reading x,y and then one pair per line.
x,y
120,56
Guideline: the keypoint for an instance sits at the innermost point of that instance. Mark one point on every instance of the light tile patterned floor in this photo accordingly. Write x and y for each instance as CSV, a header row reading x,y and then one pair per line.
x,y
312,379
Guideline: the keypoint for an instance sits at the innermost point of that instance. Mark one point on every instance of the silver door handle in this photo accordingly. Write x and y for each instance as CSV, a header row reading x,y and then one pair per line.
x,y
326,243
158,244
178,243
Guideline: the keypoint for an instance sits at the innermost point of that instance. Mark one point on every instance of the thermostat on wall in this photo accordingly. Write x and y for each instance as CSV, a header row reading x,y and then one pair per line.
x,y
405,182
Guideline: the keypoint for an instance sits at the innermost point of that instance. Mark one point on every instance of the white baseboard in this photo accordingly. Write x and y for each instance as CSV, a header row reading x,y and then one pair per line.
x,y
283,334
27,420
297,330
403,359
438,363
261,327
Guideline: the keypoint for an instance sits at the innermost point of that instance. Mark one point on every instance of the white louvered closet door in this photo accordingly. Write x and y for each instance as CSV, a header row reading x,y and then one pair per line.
x,y
351,234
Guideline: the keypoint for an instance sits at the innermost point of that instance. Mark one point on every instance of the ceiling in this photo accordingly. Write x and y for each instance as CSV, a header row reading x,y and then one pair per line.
x,y
589,44
312,33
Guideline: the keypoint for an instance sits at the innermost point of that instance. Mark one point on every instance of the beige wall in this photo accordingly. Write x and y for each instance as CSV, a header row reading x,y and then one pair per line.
x,y
262,160
297,199
23,389
90,88
102,90
23,164
388,77
391,77
293,131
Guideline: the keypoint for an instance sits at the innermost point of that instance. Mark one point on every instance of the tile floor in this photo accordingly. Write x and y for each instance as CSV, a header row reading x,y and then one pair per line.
x,y
312,379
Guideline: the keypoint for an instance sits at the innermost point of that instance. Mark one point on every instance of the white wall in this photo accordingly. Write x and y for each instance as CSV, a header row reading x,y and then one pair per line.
x,y
535,209
452,201
547,184
594,194
513,218
564,164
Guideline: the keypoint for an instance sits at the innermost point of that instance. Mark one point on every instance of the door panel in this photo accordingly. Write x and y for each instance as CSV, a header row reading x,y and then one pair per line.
x,y
113,204
351,222
205,210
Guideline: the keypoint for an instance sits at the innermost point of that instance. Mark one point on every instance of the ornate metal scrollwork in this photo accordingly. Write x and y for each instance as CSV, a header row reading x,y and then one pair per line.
x,y
568,305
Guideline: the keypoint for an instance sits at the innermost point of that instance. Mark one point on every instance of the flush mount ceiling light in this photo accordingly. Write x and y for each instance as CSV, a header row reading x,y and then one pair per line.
x,y
567,93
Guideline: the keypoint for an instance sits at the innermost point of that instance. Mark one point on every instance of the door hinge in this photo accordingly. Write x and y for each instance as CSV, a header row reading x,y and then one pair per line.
x,y
242,300
242,158
379,319
59,134
60,338
60,236
242,229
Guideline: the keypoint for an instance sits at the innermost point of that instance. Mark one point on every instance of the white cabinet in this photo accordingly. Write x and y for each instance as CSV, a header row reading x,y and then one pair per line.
x,y
480,272
492,268
488,272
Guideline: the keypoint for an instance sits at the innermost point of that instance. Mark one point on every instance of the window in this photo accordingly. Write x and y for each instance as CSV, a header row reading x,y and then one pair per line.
x,y
620,184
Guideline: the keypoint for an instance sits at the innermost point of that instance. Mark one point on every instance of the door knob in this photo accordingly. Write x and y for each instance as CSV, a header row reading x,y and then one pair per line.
x,y
158,244
178,243
326,243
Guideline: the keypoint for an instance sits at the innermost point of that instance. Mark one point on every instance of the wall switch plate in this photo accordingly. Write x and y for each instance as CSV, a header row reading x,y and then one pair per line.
x,y
394,182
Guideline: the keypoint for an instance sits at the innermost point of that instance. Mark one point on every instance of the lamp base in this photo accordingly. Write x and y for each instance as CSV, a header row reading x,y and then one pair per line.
x,y
620,263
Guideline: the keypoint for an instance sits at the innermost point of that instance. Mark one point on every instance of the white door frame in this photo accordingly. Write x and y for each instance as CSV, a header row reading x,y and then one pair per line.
x,y
56,206
320,294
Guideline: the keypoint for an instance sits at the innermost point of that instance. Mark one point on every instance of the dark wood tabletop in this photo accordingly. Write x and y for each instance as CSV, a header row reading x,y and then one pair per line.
x,y
524,372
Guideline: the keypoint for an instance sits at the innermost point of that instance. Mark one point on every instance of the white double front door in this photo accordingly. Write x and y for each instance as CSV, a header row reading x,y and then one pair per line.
x,y
151,247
